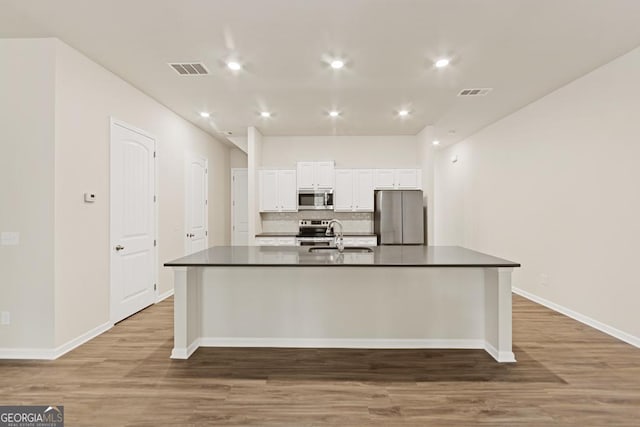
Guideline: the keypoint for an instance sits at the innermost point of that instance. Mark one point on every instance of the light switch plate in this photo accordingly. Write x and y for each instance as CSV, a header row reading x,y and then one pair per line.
x,y
5,318
9,238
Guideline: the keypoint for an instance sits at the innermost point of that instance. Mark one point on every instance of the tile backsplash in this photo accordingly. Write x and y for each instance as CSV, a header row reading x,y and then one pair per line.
x,y
353,222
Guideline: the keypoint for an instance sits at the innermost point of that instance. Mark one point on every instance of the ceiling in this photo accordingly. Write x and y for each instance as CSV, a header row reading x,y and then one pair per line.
x,y
523,49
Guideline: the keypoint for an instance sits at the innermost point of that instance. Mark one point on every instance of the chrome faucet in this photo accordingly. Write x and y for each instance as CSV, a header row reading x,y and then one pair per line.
x,y
339,240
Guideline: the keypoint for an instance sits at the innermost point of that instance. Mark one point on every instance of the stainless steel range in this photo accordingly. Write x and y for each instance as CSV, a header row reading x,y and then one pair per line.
x,y
313,232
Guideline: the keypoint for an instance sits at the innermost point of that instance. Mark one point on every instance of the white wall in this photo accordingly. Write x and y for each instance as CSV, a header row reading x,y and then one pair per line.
x,y
55,138
237,158
347,151
87,95
426,156
254,162
556,186
241,142
26,191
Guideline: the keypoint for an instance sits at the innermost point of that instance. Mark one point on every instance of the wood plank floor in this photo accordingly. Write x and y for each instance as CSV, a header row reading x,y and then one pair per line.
x,y
567,374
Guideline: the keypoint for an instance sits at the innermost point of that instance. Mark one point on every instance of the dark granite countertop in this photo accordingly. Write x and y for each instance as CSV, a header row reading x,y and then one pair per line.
x,y
295,233
382,256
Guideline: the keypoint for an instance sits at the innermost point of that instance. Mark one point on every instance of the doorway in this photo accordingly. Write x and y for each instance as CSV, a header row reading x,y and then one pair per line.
x,y
196,204
132,220
239,207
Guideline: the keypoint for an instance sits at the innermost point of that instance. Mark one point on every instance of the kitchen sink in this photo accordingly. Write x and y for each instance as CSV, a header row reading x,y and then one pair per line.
x,y
348,249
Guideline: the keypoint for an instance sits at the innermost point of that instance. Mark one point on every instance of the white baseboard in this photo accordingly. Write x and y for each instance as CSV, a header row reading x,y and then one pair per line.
x,y
164,296
51,354
27,353
185,353
182,353
87,336
609,330
342,343
500,356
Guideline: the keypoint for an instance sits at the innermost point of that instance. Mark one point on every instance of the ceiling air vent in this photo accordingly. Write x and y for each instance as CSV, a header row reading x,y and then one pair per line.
x,y
475,92
189,68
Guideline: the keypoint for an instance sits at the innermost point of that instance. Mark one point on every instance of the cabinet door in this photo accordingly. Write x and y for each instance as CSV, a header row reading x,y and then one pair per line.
x,y
408,179
305,175
266,241
268,190
323,175
286,241
350,241
366,241
363,190
287,194
384,179
343,193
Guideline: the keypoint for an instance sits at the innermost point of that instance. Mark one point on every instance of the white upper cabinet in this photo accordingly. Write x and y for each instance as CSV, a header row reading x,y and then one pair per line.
x,y
323,175
363,190
278,190
305,175
409,178
315,175
385,179
343,193
287,193
269,191
391,179
354,190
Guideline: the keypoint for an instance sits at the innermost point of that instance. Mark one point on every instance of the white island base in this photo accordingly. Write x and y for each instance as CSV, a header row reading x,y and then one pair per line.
x,y
343,307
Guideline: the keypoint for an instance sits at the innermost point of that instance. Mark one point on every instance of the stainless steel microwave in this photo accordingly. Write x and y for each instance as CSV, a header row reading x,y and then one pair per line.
x,y
315,200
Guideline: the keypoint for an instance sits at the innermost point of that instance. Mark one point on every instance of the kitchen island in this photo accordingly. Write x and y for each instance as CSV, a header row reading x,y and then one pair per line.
x,y
387,297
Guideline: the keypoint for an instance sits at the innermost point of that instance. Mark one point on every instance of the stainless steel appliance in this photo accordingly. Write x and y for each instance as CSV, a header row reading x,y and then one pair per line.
x,y
313,232
398,217
315,200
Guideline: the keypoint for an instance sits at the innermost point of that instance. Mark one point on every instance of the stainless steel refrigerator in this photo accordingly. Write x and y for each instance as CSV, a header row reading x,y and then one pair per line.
x,y
399,217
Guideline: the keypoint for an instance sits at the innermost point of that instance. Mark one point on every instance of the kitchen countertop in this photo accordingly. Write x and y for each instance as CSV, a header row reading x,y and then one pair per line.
x,y
382,256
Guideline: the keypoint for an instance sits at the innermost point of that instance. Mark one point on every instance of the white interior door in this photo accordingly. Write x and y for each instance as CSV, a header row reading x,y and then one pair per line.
x,y
133,222
196,234
239,207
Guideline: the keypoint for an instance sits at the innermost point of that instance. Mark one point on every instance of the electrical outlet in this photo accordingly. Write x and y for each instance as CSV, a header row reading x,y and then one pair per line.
x,y
5,318
9,238
544,280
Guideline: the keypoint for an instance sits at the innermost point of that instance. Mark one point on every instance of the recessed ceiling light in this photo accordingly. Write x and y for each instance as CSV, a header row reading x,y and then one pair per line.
x,y
337,64
441,63
265,114
436,142
334,113
235,66
205,114
403,113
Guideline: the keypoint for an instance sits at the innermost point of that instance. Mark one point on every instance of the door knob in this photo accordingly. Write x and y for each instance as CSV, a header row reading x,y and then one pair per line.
x,y
191,235
119,248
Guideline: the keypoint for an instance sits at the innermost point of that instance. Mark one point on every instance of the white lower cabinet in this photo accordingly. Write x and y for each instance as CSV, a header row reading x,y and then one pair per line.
x,y
353,190
275,241
360,241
